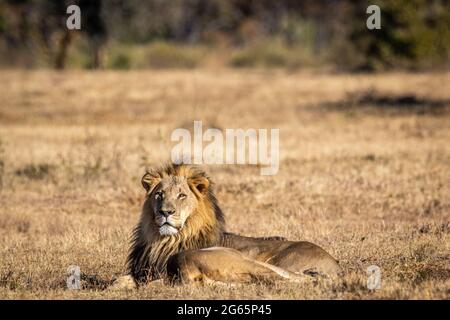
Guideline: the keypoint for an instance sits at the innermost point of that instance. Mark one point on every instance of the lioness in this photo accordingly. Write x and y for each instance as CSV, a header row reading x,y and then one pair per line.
x,y
181,238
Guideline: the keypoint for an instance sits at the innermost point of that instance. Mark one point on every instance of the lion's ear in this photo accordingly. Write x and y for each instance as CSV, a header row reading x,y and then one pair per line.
x,y
150,181
201,184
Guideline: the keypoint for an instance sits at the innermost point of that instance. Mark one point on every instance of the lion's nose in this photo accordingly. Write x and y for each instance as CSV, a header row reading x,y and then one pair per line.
x,y
166,213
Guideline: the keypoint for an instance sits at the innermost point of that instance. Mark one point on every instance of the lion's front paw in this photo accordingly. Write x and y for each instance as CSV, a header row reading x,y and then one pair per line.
x,y
123,283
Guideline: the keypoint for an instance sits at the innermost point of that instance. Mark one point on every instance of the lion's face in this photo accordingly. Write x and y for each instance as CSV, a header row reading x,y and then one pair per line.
x,y
172,202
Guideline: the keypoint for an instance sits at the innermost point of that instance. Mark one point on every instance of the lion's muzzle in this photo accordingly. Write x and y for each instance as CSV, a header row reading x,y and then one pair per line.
x,y
167,225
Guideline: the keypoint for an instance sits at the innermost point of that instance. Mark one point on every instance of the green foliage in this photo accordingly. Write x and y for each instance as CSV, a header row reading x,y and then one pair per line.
x,y
157,55
413,34
271,53
121,62
169,55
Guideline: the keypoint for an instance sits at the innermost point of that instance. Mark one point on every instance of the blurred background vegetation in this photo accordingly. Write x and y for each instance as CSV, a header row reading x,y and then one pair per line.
x,y
293,34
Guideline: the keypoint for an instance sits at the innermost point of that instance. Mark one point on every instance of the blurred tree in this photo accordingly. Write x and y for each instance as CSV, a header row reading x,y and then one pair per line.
x,y
14,26
52,30
94,28
413,33
30,26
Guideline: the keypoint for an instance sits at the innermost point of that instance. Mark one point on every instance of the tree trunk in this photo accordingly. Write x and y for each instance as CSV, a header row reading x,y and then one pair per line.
x,y
61,55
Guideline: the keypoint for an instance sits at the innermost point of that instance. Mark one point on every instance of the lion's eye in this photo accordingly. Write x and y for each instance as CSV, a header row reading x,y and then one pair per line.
x,y
158,195
182,196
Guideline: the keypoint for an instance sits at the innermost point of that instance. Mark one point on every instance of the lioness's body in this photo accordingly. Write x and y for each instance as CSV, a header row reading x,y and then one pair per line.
x,y
296,256
181,237
245,259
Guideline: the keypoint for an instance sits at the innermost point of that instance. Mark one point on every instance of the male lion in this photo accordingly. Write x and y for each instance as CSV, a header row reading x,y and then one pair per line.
x,y
181,238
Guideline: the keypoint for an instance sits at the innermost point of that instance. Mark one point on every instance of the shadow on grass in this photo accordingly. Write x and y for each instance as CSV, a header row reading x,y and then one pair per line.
x,y
94,282
35,171
90,282
409,103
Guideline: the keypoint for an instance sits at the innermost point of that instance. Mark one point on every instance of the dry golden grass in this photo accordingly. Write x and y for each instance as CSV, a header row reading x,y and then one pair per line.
x,y
368,180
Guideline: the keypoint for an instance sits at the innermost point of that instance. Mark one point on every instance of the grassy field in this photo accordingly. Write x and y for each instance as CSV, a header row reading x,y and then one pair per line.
x,y
364,173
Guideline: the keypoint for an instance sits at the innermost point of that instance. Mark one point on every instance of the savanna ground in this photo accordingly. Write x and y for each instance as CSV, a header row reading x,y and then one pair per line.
x,y
364,173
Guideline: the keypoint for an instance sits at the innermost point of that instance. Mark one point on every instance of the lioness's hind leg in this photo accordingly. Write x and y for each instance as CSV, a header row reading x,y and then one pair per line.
x,y
306,257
